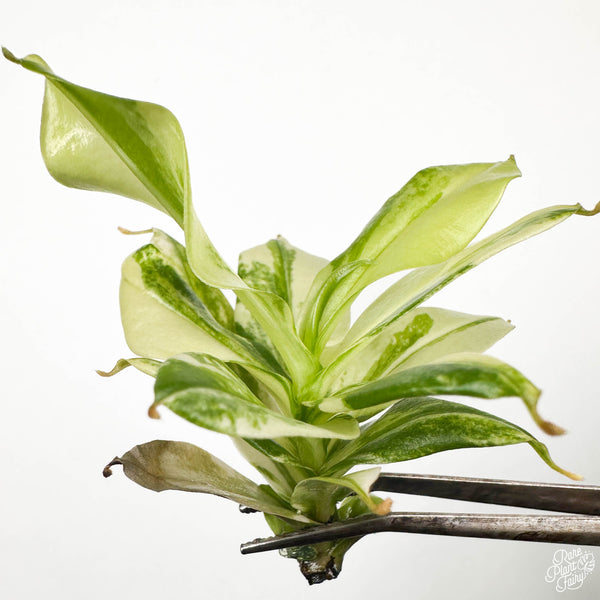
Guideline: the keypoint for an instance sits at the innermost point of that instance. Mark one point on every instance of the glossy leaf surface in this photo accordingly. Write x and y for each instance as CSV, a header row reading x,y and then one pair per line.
x,y
95,141
206,392
416,427
166,310
434,216
421,336
420,284
463,374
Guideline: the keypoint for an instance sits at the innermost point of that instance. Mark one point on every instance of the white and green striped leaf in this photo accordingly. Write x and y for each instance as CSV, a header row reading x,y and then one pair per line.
x,y
317,497
164,315
420,284
206,392
163,465
271,312
434,216
416,427
420,336
463,374
95,141
286,271
282,269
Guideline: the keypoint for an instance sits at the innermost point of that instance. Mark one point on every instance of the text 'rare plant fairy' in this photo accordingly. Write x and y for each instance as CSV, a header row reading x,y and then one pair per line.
x,y
305,395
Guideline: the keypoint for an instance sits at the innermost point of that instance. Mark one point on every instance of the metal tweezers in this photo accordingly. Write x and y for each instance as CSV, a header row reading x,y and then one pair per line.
x,y
580,528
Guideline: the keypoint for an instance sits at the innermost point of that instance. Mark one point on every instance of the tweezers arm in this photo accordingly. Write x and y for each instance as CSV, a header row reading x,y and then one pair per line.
x,y
532,528
578,499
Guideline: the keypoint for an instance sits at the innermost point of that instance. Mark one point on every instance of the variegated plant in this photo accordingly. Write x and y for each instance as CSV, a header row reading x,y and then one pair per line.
x,y
285,374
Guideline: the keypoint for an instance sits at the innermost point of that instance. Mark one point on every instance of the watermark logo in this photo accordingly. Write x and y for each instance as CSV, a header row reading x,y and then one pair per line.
x,y
570,568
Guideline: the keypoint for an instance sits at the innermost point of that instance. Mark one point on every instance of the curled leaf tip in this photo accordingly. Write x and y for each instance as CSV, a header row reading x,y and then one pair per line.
x,y
125,231
119,366
383,508
107,472
551,428
589,213
153,412
9,55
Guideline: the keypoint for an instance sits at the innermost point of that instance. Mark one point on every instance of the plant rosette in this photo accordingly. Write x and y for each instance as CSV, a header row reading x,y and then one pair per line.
x,y
306,395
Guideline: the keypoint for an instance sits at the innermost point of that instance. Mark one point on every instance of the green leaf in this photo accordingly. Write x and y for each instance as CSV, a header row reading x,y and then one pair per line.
x,y
329,304
163,314
286,271
272,313
148,366
163,465
206,392
213,298
463,374
420,284
282,269
416,427
434,216
317,497
281,475
95,141
420,336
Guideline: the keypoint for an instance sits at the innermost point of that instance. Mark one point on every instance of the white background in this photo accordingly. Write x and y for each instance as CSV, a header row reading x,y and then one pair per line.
x,y
301,118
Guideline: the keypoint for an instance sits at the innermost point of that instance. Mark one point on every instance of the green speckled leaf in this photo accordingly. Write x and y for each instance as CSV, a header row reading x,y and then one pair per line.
x,y
270,311
434,216
416,427
163,465
95,141
420,284
462,374
420,336
204,391
162,313
281,269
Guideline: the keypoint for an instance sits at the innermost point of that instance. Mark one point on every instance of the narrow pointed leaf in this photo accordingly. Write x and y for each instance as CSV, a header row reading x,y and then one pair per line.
x,y
420,336
416,427
206,392
458,375
420,284
95,141
434,216
163,465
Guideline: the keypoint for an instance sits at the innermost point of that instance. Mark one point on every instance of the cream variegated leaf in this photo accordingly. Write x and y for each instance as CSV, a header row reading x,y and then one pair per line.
x,y
204,391
95,141
434,216
420,336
